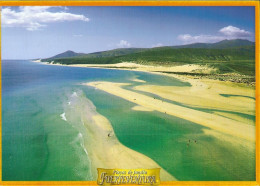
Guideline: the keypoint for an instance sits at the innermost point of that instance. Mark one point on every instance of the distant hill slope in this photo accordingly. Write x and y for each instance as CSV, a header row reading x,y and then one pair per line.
x,y
227,56
169,55
108,53
124,51
114,52
232,43
191,55
66,54
219,45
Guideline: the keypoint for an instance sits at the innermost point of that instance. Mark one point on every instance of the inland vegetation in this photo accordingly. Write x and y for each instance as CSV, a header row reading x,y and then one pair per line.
x,y
231,59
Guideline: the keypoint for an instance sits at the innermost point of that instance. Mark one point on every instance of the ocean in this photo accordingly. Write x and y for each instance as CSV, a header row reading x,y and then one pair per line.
x,y
39,144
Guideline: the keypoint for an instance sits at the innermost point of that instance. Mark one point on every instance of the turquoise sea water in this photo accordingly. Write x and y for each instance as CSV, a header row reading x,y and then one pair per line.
x,y
39,145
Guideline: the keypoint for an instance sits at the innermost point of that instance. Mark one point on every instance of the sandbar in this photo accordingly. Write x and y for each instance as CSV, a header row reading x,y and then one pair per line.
x,y
102,146
213,121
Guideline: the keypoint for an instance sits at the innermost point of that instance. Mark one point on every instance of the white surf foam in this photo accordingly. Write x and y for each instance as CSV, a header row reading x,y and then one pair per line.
x,y
74,94
81,140
63,116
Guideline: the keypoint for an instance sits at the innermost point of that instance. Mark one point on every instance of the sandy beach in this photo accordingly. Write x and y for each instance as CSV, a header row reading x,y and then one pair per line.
x,y
226,100
203,93
150,68
208,94
211,120
101,143
224,111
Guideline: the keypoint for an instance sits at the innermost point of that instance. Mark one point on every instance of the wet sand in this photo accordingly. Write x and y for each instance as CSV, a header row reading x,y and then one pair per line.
x,y
210,120
101,144
208,94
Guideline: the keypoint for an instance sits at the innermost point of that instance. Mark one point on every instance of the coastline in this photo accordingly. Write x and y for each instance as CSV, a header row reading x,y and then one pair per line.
x,y
191,73
212,121
225,126
101,143
203,85
203,93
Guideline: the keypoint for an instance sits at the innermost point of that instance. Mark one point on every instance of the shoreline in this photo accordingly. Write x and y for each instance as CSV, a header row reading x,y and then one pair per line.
x,y
213,121
231,128
188,73
101,143
197,86
203,86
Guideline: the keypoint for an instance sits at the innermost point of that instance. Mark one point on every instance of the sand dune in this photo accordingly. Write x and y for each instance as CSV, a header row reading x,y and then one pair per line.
x,y
151,68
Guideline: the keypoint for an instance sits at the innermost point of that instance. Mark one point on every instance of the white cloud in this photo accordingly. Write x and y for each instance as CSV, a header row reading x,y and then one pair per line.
x,y
123,44
187,38
157,45
229,32
232,31
34,17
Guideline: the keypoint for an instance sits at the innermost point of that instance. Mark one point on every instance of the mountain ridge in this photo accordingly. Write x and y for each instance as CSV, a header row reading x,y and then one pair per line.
x,y
219,45
68,53
224,44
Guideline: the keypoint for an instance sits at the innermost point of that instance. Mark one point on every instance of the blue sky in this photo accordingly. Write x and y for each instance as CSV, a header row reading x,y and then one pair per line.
x,y
38,32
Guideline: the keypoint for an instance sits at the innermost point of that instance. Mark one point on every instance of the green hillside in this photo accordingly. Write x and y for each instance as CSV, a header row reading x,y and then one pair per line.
x,y
232,43
66,54
109,53
168,55
189,55
219,45
112,53
124,51
239,59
